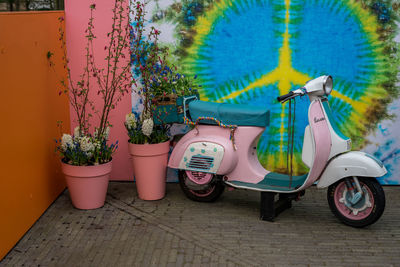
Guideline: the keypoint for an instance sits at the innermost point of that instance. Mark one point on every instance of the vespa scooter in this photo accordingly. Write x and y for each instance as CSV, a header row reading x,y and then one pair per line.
x,y
222,150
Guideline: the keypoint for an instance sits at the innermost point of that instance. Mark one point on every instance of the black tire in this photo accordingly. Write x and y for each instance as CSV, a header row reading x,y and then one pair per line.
x,y
372,212
210,193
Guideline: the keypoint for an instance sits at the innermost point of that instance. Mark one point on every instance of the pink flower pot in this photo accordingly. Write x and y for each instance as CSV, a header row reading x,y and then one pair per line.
x,y
87,185
150,165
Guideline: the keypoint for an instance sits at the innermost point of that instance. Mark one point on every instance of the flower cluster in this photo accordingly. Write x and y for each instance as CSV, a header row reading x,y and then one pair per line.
x,y
143,131
168,80
84,150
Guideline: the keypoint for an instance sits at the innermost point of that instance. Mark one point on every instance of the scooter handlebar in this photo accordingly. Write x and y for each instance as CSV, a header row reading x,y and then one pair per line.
x,y
285,97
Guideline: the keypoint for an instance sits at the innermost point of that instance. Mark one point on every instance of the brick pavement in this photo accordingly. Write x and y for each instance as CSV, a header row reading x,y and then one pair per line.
x,y
175,231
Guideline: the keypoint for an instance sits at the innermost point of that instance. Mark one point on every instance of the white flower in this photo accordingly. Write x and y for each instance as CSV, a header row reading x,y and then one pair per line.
x,y
106,133
147,127
97,145
86,144
76,131
130,121
67,141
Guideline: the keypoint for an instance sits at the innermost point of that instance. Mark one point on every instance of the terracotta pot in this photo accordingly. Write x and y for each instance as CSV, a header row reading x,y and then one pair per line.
x,y
87,185
150,165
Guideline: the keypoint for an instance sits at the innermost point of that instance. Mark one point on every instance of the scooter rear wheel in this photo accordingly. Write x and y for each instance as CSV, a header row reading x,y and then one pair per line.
x,y
363,213
201,192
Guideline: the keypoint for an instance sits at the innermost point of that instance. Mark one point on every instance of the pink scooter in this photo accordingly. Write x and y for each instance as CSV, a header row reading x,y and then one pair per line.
x,y
222,150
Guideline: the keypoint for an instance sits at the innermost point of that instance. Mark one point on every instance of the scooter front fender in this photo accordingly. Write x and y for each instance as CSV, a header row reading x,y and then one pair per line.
x,y
206,133
353,163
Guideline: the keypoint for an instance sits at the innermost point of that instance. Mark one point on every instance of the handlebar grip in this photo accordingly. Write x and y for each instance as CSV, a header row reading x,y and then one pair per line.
x,y
283,97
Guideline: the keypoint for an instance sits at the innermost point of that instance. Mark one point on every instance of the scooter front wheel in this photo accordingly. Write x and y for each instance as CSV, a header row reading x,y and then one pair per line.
x,y
359,212
207,192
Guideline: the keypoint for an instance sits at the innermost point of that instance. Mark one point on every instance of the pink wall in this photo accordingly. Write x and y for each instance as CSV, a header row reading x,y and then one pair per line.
x,y
76,17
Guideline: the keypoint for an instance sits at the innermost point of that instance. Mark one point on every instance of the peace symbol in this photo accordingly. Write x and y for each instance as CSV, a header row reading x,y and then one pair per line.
x,y
250,51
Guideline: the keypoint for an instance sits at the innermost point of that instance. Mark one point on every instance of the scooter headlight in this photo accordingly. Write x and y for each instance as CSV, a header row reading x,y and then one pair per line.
x,y
328,85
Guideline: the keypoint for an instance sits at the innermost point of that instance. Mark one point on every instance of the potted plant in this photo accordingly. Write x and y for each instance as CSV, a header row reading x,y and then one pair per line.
x,y
148,139
161,89
86,163
86,155
149,146
148,143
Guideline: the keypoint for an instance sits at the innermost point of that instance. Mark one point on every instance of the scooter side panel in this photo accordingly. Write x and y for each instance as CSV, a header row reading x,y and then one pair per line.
x,y
322,141
248,168
353,163
206,133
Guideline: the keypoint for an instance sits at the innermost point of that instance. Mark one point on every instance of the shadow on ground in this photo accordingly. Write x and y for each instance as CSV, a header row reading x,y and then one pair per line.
x,y
175,231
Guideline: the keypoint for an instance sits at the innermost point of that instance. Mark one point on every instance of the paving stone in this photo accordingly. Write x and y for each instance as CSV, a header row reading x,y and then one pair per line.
x,y
175,231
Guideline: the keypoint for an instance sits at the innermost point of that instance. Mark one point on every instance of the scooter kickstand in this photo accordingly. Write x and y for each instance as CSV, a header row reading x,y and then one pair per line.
x,y
269,208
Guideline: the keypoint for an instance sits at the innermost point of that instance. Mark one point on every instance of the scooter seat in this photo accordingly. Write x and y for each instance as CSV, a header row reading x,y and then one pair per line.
x,y
229,114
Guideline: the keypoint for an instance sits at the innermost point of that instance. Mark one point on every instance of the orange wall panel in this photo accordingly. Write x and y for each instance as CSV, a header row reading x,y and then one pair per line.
x,y
30,107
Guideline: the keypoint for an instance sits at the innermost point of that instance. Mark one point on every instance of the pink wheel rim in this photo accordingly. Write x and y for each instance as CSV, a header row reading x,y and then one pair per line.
x,y
200,178
356,213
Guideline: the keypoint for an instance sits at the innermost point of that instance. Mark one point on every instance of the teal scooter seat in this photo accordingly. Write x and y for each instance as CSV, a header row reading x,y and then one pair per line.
x,y
230,114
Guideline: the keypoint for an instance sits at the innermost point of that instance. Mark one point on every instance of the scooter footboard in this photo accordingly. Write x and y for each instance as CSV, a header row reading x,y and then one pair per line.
x,y
353,163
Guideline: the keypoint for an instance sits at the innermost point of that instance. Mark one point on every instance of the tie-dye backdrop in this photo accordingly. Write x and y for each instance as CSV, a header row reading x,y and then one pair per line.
x,y
251,51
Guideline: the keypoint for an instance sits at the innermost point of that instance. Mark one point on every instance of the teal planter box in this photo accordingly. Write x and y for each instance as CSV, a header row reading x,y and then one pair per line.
x,y
171,109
